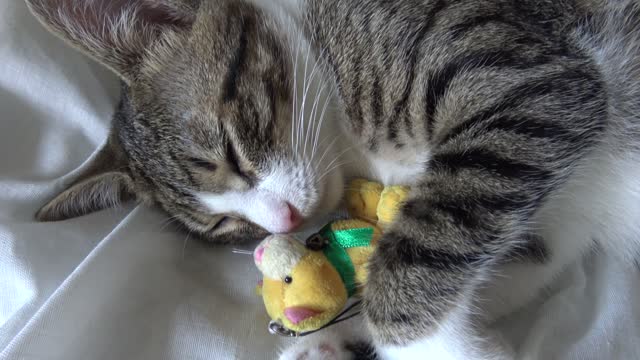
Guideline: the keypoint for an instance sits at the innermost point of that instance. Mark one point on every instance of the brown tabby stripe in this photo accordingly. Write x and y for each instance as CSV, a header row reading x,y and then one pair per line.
x,y
471,24
238,60
537,88
409,253
489,161
440,80
413,51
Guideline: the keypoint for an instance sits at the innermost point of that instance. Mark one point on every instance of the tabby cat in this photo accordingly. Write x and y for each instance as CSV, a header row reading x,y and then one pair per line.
x,y
514,122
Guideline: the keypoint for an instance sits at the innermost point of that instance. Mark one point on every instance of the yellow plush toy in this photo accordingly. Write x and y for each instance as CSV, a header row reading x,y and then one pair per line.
x,y
305,286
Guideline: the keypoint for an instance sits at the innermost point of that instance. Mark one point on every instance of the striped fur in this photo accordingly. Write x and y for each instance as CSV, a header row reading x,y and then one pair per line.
x,y
513,121
514,109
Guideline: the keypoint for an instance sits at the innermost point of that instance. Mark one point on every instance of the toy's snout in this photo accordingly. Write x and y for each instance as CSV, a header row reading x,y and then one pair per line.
x,y
297,314
301,288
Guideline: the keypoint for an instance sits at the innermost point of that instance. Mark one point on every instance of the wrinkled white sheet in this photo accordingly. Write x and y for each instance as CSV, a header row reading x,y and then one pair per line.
x,y
120,285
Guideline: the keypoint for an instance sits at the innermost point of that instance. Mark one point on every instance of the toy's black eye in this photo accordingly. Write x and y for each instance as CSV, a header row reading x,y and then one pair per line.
x,y
315,242
288,279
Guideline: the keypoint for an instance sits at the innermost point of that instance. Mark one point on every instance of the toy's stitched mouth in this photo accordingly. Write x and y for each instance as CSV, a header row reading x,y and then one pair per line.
x,y
297,314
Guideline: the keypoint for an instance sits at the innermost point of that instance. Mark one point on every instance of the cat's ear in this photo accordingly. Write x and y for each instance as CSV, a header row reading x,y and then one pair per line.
x,y
105,183
117,33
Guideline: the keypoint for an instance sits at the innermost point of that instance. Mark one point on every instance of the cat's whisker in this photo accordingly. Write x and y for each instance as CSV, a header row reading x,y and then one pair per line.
x,y
314,149
342,153
336,158
329,164
300,101
333,165
184,246
314,130
325,106
323,143
241,251
333,168
168,222
313,116
322,116
294,112
323,85
315,165
304,97
338,164
309,121
305,88
326,150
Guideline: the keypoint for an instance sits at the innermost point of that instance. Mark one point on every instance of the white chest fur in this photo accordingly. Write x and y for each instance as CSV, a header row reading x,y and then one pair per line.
x,y
388,166
390,171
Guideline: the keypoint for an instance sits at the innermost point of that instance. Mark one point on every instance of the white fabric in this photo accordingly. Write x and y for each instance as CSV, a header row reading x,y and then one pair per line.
x,y
120,285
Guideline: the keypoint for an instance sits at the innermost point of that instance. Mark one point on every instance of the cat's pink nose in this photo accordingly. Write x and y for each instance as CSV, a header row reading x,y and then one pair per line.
x,y
282,218
296,314
291,219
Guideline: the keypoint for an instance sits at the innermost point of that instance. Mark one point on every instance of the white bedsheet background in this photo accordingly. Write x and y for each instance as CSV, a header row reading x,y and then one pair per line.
x,y
120,285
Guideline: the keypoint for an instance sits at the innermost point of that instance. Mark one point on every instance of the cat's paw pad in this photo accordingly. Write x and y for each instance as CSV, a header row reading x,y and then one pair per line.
x,y
323,348
322,351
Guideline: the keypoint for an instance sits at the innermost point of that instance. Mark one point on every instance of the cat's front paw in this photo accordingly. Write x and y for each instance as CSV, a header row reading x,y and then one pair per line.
x,y
418,312
329,346
402,301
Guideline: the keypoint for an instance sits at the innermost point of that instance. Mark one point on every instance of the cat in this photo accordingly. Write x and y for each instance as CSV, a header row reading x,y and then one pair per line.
x,y
514,123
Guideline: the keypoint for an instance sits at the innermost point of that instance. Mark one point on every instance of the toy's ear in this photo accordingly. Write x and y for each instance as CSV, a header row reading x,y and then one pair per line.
x,y
258,253
118,33
277,255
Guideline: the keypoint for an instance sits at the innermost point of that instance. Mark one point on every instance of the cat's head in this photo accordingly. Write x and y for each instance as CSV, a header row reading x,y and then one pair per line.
x,y
212,127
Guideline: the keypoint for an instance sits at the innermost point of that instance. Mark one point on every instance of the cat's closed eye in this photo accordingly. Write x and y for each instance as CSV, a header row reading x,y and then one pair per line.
x,y
221,222
234,161
204,164
215,132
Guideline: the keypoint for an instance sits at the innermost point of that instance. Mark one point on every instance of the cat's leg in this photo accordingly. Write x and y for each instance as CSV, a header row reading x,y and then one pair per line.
x,y
493,289
473,207
455,338
511,287
601,202
524,274
419,297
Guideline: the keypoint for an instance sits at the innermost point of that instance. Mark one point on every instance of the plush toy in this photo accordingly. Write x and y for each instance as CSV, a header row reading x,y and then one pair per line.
x,y
305,286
